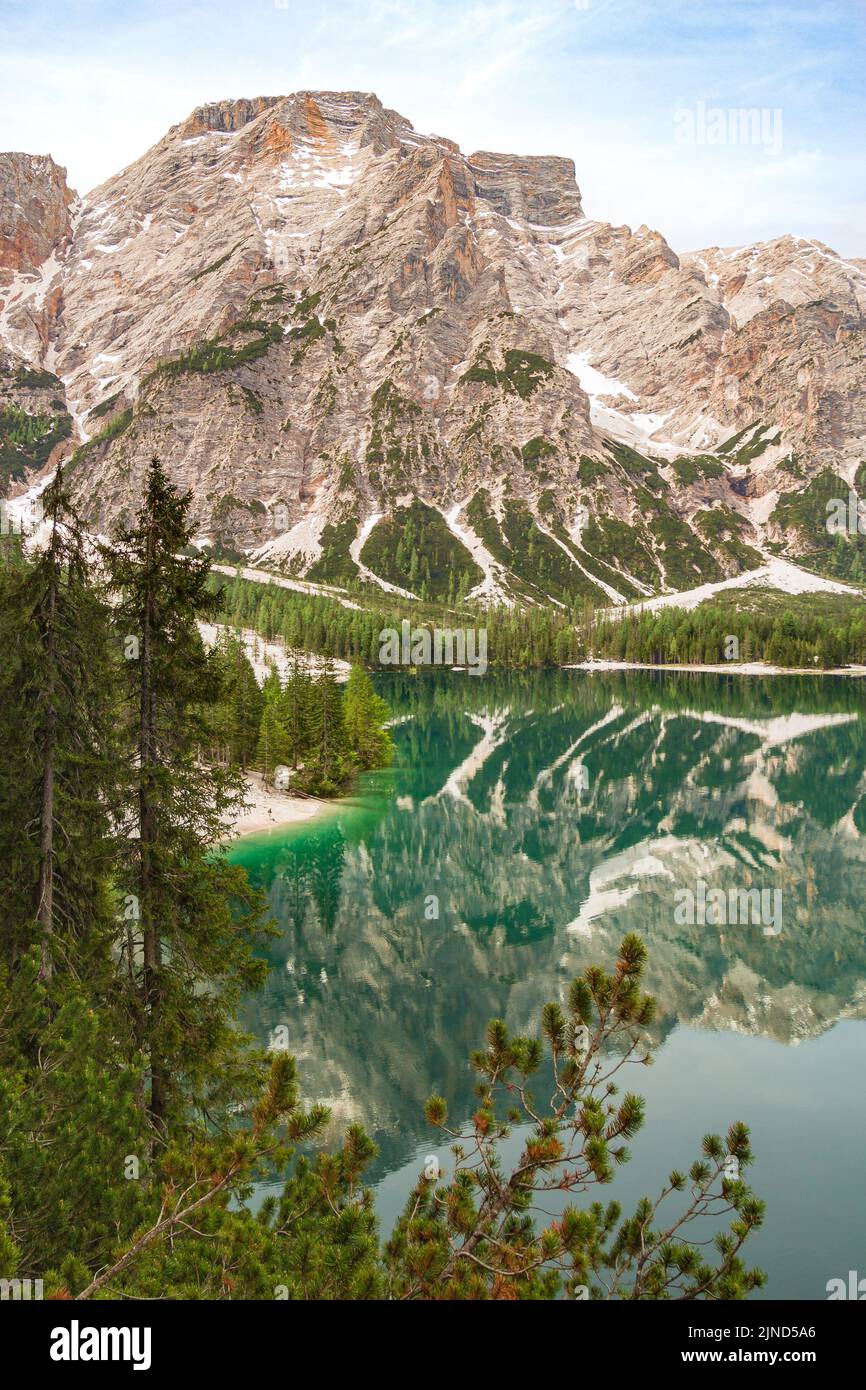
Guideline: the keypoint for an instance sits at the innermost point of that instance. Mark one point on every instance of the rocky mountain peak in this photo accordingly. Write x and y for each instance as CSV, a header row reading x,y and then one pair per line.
x,y
539,189
225,117
328,119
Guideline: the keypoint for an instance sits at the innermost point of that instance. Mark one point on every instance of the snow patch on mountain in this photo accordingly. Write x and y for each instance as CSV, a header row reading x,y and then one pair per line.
x,y
300,586
491,587
594,382
781,575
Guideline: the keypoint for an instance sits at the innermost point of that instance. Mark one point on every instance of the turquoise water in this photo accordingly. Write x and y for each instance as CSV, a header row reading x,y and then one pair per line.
x,y
545,815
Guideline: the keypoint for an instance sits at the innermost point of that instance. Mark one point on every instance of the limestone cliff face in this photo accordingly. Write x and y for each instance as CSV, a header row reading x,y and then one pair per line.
x,y
35,216
36,222
330,326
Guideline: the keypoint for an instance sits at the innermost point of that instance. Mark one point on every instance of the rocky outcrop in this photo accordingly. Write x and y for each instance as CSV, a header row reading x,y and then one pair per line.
x,y
35,216
537,190
36,225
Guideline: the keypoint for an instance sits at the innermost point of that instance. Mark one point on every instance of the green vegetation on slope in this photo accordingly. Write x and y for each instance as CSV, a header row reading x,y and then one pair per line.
x,y
657,546
262,326
521,374
723,528
690,469
116,426
414,548
607,535
26,440
335,565
218,354
399,443
538,563
215,265
805,514
740,451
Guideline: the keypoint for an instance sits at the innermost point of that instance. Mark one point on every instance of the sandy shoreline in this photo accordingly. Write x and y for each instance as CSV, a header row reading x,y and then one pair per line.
x,y
726,668
269,809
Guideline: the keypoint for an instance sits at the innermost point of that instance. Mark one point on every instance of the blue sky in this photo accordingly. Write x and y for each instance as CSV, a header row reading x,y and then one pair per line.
x,y
629,89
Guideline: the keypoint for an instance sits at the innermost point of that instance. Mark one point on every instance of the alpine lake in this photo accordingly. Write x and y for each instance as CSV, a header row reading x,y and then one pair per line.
x,y
529,821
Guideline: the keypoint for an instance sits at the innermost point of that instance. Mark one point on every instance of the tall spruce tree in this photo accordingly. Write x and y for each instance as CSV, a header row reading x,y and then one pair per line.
x,y
58,699
235,721
296,706
329,760
66,1057
195,919
273,741
365,716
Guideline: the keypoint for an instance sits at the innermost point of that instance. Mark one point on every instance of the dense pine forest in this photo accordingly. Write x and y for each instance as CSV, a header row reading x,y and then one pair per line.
x,y
304,733
813,631
135,1117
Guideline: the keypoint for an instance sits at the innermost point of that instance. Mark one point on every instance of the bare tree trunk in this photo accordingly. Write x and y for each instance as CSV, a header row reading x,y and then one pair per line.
x,y
45,910
152,942
45,898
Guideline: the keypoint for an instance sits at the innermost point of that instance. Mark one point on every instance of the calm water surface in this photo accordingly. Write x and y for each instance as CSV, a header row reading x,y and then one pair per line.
x,y
548,814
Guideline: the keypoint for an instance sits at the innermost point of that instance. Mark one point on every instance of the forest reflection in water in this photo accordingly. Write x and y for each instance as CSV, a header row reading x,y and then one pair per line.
x,y
528,822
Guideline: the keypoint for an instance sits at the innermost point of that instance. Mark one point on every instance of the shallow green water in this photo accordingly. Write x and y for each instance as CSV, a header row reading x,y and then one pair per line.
x,y
548,814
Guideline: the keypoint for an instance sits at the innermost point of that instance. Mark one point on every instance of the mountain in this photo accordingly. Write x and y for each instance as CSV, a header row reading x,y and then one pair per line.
x,y
374,358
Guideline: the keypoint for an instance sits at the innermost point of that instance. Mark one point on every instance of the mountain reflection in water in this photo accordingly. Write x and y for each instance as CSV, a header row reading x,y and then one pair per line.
x,y
544,815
